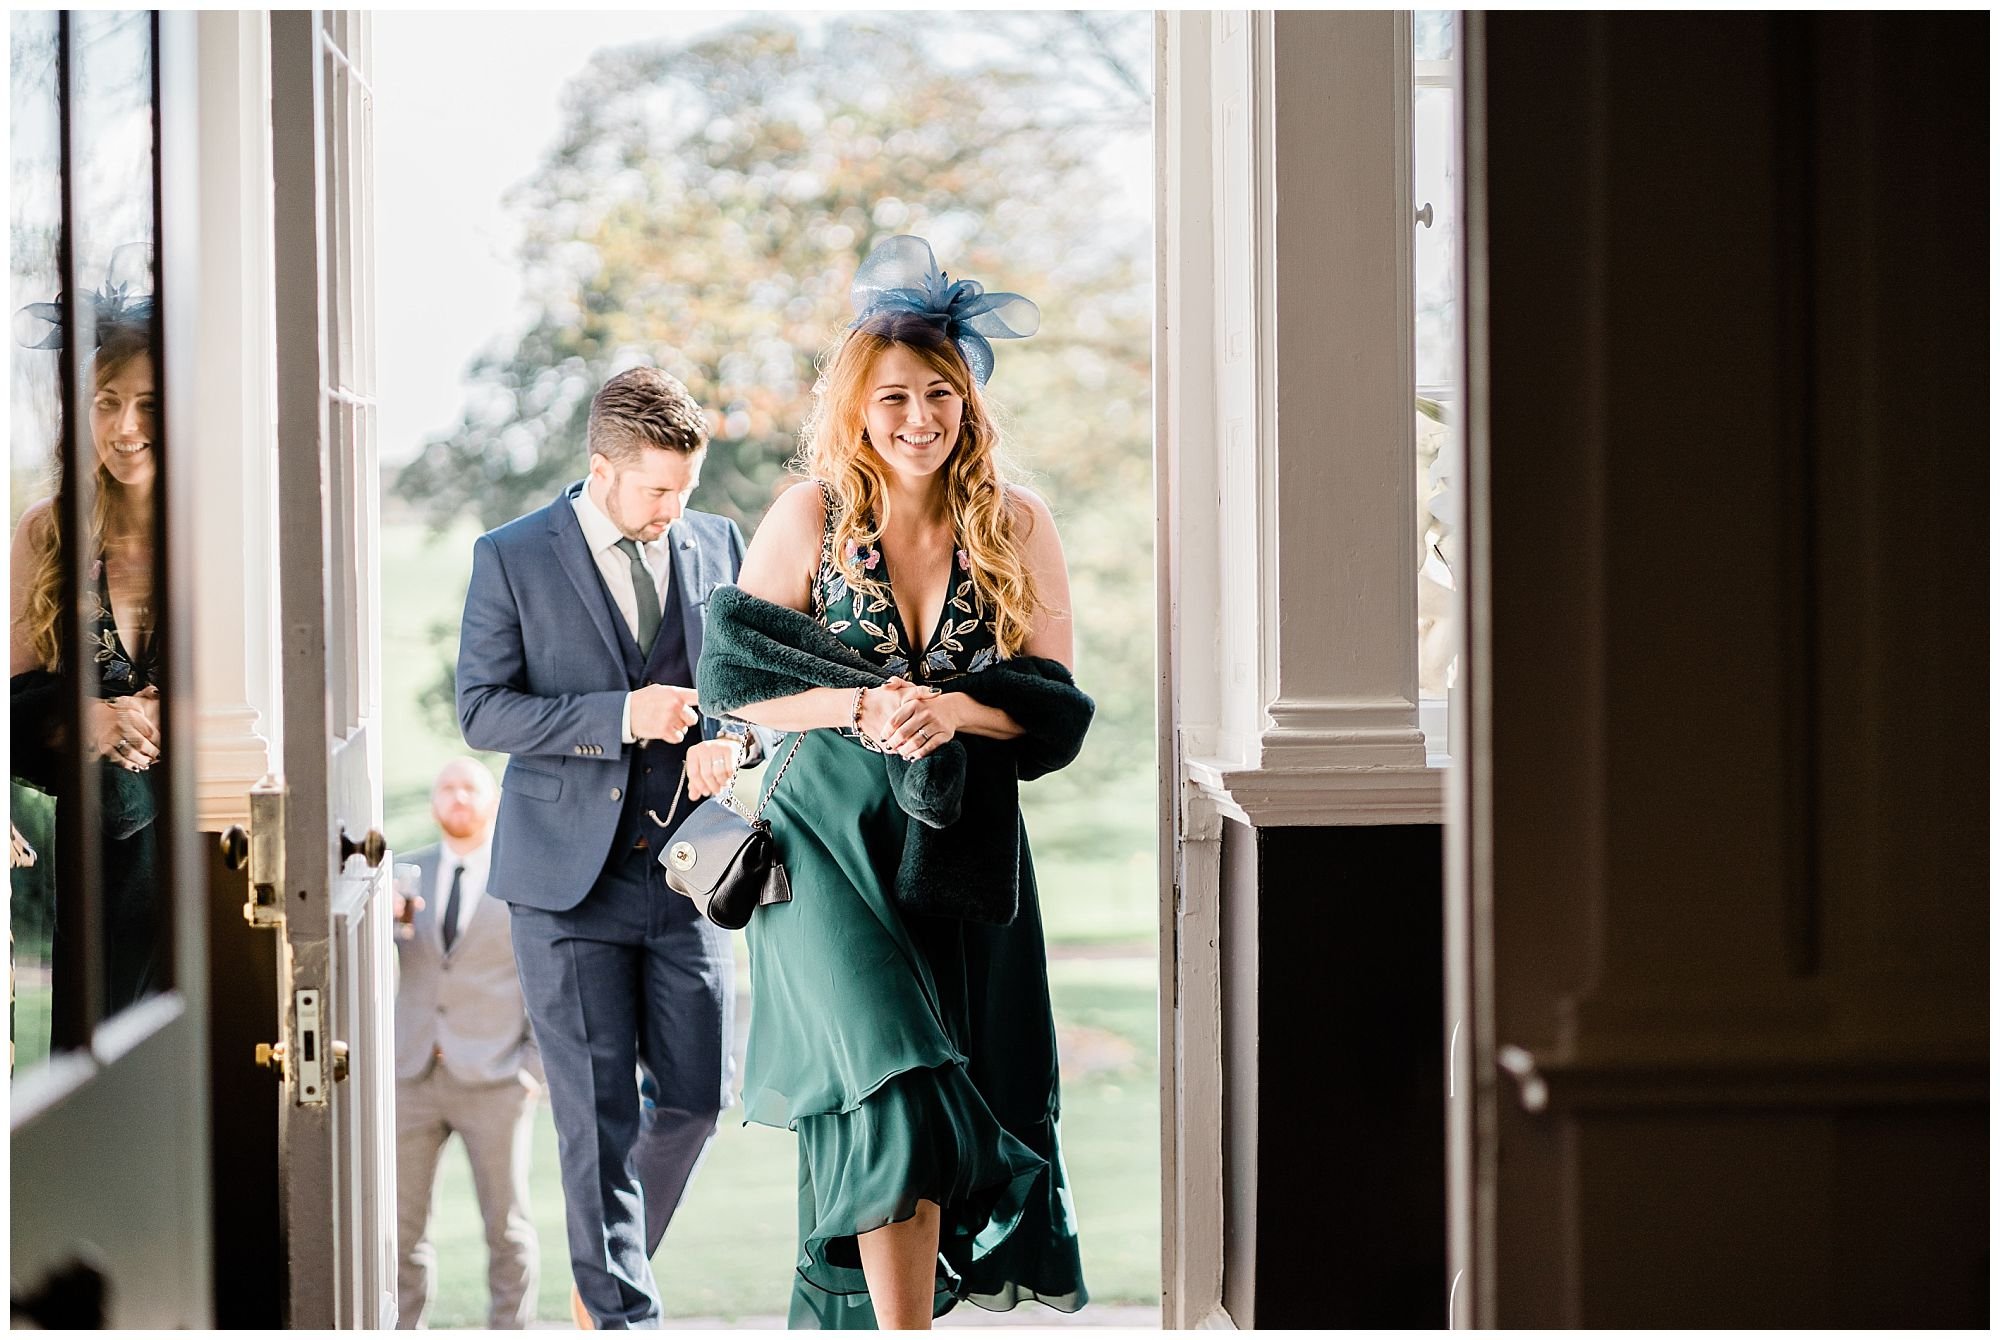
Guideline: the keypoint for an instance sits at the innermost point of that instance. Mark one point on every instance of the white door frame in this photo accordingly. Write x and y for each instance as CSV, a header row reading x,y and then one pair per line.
x,y
236,508
1284,393
336,1132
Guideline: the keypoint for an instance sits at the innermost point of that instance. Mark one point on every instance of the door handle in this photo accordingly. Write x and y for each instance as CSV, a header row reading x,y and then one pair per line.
x,y
371,849
1529,1086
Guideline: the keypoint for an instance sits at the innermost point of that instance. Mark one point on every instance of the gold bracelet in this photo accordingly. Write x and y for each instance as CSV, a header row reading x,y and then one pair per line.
x,y
859,733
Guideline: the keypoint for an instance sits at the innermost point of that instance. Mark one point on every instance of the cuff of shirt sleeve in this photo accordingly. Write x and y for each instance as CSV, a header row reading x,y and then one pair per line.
x,y
625,722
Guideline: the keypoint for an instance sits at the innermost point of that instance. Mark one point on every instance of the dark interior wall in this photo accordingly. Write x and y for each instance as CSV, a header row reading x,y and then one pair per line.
x,y
250,1270
1348,1202
1736,281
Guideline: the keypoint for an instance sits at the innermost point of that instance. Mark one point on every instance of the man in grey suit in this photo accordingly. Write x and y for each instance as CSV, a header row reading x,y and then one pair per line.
x,y
466,1061
576,657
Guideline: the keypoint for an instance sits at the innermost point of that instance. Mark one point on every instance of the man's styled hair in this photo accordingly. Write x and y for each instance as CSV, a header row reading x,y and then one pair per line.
x,y
642,408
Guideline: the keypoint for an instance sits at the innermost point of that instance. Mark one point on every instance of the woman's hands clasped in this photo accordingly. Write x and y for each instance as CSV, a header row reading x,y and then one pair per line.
x,y
126,730
908,720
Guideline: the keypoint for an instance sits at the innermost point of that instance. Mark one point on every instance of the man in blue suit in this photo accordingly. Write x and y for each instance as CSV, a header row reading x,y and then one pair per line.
x,y
576,658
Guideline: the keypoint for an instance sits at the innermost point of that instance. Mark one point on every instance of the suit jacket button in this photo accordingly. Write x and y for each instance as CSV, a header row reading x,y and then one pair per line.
x,y
614,793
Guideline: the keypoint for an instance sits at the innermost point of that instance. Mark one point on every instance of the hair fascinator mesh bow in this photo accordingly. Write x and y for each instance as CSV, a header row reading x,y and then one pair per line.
x,y
902,275
126,298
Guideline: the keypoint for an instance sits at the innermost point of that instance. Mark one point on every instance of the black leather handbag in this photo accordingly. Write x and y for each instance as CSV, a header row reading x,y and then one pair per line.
x,y
726,863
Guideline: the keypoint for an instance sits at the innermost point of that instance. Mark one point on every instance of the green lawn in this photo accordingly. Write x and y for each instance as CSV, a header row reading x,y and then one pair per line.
x,y
729,1252
31,907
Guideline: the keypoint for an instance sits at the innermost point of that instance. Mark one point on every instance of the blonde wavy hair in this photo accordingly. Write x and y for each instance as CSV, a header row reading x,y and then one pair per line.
x,y
834,450
41,616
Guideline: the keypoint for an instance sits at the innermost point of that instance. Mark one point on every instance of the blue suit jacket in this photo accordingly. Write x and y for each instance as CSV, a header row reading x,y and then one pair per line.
x,y
541,677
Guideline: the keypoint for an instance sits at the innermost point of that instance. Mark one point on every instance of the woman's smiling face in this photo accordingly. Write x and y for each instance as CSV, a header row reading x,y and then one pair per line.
x,y
123,422
912,413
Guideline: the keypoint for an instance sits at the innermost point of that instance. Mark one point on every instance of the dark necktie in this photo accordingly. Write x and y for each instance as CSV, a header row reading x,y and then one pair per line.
x,y
451,908
646,592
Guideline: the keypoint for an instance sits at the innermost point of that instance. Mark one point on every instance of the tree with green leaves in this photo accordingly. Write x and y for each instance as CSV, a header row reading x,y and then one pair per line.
x,y
704,210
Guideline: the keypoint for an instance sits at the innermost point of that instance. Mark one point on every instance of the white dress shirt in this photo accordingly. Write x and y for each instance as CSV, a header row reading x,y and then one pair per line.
x,y
471,889
602,535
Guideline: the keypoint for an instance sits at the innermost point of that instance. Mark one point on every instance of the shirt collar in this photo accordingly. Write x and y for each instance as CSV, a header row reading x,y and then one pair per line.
x,y
474,861
600,533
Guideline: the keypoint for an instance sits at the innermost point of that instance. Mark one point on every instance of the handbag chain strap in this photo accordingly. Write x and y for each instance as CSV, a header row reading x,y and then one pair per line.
x,y
729,791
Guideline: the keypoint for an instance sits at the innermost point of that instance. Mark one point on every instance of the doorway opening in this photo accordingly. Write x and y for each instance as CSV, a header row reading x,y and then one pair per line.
x,y
695,193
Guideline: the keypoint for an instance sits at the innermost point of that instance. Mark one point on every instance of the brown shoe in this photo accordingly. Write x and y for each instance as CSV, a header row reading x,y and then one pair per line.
x,y
578,1312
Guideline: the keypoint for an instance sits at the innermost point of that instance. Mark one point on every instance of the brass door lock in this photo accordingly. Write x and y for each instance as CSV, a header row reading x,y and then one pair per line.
x,y
261,852
271,1056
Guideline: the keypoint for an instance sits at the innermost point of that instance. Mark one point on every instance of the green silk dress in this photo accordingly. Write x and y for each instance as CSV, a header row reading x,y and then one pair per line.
x,y
914,1056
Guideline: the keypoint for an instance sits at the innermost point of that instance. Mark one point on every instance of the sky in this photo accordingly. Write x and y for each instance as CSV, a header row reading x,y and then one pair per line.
x,y
465,105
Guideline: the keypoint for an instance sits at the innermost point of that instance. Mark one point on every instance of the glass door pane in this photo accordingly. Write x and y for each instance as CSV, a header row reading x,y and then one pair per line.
x,y
35,423
1434,180
89,894
119,456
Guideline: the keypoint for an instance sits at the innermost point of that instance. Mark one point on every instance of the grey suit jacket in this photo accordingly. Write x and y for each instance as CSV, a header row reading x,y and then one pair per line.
x,y
465,1006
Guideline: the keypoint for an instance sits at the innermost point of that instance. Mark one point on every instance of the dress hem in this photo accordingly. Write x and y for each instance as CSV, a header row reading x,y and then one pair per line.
x,y
791,1123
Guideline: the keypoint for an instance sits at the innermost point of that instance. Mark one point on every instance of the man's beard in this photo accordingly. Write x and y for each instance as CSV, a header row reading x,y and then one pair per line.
x,y
612,510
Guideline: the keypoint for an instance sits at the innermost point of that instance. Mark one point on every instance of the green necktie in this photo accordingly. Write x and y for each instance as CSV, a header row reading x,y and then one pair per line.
x,y
646,593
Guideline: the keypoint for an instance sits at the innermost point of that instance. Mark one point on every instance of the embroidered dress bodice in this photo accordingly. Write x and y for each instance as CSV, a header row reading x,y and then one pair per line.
x,y
119,671
961,643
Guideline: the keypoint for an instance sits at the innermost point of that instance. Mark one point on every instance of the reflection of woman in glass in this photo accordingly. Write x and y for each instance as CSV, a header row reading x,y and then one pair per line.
x,y
122,728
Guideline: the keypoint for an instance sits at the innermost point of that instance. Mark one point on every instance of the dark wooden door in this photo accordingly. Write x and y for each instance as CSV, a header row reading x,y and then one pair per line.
x,y
1725,889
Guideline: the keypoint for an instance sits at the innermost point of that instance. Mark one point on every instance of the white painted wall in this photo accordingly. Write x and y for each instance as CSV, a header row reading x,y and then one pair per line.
x,y
234,459
1290,381
1286,385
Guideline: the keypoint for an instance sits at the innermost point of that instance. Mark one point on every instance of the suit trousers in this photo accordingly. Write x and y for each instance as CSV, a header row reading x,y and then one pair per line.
x,y
496,1122
632,995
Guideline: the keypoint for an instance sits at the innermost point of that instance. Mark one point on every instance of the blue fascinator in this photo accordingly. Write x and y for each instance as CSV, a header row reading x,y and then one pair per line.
x,y
902,275
125,299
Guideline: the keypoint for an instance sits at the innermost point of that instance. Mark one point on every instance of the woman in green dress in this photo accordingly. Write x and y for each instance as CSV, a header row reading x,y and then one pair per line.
x,y
914,1055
